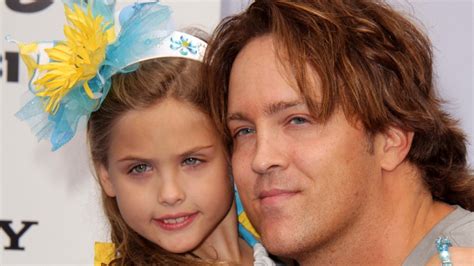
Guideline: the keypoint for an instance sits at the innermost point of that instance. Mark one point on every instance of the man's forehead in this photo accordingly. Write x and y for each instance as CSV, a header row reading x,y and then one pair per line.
x,y
263,80
267,52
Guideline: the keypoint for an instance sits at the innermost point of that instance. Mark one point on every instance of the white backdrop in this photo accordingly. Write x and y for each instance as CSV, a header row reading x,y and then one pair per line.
x,y
57,190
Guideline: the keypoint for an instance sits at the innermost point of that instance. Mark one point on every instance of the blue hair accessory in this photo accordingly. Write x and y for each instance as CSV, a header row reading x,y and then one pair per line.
x,y
70,79
442,245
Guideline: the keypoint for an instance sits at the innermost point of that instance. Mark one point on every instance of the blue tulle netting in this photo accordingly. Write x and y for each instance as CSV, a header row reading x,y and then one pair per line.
x,y
141,27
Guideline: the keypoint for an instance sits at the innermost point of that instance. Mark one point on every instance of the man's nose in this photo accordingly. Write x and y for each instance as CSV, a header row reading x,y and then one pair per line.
x,y
269,153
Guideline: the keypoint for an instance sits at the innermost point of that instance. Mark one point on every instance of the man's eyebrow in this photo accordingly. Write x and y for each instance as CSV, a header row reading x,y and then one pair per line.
x,y
268,110
277,107
236,116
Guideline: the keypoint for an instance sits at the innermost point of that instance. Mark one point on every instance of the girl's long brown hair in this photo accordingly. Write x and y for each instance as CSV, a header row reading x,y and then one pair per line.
x,y
155,80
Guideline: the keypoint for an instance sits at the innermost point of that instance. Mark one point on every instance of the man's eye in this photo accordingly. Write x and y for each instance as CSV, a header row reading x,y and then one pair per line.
x,y
140,169
298,120
191,161
244,131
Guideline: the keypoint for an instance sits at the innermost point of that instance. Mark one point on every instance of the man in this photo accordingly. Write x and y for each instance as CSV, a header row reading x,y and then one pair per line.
x,y
340,149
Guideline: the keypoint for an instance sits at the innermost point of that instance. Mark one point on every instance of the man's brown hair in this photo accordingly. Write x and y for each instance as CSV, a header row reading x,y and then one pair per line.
x,y
373,63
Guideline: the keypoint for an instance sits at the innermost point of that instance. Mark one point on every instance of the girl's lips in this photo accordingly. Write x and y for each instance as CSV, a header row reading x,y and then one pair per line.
x,y
175,222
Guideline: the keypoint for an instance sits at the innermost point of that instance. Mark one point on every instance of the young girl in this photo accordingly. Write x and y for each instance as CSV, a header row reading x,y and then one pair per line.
x,y
162,167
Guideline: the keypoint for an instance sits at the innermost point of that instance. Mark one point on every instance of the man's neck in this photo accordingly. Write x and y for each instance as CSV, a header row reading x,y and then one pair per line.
x,y
400,213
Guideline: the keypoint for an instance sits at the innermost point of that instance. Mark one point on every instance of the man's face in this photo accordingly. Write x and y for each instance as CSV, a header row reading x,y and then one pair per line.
x,y
303,183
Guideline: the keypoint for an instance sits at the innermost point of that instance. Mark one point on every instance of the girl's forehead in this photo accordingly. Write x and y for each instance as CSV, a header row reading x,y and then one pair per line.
x,y
168,127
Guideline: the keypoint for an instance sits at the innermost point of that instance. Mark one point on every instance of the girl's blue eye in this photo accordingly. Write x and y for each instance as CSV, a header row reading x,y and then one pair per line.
x,y
298,120
244,131
191,161
140,169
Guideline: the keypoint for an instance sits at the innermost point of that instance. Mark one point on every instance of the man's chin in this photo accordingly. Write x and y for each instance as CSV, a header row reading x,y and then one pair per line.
x,y
283,249
279,240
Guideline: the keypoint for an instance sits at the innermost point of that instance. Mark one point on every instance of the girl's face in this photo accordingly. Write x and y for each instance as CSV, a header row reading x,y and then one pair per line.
x,y
168,171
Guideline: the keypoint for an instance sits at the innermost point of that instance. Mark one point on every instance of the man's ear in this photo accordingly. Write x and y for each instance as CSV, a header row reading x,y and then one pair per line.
x,y
395,147
104,179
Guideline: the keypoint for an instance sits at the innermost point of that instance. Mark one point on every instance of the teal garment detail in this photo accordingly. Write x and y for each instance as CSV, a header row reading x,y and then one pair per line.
x,y
244,232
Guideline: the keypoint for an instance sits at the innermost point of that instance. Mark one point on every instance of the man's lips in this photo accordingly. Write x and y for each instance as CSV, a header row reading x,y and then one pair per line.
x,y
176,221
274,196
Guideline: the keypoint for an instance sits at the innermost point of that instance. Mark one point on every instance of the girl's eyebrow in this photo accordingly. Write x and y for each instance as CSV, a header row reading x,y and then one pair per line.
x,y
132,158
184,154
197,149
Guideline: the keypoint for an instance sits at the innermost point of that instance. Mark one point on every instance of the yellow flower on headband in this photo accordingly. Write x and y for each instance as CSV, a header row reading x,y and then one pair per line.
x,y
70,79
75,60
